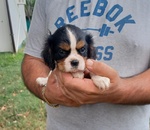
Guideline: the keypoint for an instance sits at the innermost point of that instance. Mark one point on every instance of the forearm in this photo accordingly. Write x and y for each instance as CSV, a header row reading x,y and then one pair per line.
x,y
136,90
32,68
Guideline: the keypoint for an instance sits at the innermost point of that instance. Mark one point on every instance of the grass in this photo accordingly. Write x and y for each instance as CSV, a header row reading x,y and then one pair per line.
x,y
19,109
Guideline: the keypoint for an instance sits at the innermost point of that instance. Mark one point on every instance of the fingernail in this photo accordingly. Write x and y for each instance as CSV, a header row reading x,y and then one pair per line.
x,y
89,63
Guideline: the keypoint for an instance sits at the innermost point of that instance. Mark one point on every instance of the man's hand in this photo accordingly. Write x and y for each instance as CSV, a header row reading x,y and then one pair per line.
x,y
135,90
55,91
63,89
83,91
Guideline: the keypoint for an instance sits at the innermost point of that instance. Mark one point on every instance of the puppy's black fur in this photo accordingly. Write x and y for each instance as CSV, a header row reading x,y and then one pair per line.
x,y
52,53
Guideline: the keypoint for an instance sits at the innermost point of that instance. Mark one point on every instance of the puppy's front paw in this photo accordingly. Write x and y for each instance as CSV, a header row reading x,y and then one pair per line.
x,y
78,75
101,82
42,81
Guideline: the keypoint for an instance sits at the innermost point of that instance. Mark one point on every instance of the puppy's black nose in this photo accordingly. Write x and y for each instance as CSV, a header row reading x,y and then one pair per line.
x,y
74,63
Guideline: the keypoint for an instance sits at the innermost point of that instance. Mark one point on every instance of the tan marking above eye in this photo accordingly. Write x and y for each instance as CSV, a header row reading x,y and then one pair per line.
x,y
80,44
65,46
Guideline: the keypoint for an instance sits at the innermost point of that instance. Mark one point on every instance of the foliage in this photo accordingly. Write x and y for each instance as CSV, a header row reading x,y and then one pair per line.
x,y
29,8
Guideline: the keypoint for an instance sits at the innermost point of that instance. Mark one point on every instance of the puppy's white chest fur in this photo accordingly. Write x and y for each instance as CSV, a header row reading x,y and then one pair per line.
x,y
78,75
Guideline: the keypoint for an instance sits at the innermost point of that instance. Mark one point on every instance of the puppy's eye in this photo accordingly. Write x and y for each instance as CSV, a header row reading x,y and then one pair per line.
x,y
61,52
82,50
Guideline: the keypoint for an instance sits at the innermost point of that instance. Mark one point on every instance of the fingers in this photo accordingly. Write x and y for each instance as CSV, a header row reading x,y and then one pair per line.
x,y
55,92
81,91
79,85
100,68
76,92
69,91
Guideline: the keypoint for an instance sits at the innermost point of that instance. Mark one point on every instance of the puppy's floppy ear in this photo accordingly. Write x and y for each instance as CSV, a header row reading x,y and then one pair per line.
x,y
91,53
47,53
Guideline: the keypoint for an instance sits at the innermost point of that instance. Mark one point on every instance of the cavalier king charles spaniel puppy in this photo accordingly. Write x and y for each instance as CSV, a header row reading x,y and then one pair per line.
x,y
67,50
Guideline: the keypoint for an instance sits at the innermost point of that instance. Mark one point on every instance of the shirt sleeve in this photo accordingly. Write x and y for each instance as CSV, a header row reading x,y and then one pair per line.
x,y
37,32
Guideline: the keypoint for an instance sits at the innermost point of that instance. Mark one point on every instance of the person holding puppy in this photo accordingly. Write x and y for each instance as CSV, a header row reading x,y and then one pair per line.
x,y
121,34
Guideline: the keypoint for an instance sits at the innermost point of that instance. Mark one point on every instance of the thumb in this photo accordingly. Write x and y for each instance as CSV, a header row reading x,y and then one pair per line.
x,y
100,68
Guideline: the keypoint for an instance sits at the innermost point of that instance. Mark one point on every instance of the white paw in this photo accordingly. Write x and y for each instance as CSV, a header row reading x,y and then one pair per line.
x,y
78,75
42,81
101,82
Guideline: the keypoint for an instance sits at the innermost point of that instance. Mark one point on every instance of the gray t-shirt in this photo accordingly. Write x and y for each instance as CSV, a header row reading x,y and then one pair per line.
x,y
121,31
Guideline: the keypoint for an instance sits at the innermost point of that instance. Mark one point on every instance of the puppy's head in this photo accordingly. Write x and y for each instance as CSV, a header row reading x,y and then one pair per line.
x,y
68,47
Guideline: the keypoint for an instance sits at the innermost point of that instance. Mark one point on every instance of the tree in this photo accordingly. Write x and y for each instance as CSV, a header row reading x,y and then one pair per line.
x,y
29,8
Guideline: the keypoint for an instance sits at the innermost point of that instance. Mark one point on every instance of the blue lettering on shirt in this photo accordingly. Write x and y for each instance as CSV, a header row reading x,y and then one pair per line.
x,y
112,15
127,20
70,14
84,8
60,22
100,8
104,53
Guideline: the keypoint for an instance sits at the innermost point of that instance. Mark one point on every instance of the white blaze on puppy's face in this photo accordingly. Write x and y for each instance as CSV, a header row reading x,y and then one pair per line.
x,y
74,62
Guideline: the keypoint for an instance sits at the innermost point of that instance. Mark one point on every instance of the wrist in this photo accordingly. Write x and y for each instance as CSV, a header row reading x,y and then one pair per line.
x,y
128,92
124,91
45,98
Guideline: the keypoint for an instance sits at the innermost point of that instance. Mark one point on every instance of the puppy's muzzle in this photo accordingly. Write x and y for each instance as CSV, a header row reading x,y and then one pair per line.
x,y
74,63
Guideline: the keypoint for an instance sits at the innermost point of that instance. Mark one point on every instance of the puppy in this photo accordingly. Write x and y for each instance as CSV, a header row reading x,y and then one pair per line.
x,y
67,50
